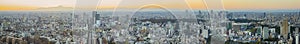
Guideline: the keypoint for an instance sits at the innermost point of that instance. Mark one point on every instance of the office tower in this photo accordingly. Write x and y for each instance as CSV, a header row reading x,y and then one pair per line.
x,y
265,15
297,39
265,32
96,17
91,27
296,30
272,32
1,27
259,30
297,36
284,28
200,12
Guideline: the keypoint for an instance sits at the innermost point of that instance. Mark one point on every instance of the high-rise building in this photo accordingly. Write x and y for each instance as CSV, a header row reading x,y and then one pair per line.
x,y
259,30
284,28
296,30
1,26
265,32
297,36
96,18
297,39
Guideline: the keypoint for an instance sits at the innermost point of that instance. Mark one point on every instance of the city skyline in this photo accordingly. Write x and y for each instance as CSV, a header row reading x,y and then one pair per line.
x,y
149,21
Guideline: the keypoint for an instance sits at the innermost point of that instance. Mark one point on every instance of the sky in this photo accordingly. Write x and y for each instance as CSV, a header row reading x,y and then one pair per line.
x,y
193,4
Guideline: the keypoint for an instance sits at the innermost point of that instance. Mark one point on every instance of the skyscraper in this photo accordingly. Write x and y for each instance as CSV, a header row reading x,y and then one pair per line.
x,y
266,33
297,35
96,18
284,28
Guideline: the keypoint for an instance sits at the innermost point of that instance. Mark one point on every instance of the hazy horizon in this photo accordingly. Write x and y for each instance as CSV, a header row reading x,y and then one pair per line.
x,y
193,4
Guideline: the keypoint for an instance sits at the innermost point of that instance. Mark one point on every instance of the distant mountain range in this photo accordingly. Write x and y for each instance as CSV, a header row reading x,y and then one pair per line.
x,y
57,8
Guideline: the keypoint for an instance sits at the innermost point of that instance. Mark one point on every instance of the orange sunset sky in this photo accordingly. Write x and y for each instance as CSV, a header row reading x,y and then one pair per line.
x,y
194,4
